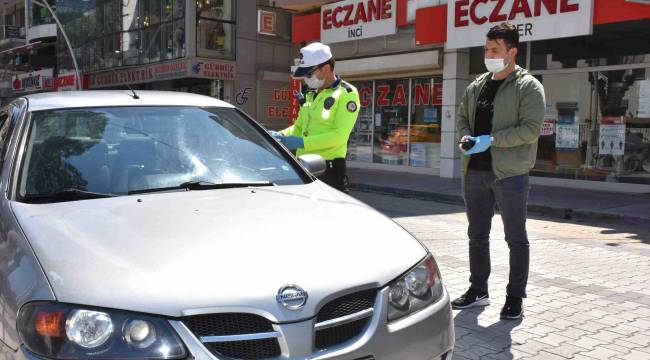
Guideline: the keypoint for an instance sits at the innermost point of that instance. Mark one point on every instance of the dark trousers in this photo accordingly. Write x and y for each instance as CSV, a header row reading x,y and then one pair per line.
x,y
334,175
482,191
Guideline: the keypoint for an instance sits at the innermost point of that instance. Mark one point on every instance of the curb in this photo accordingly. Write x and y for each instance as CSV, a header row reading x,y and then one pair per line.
x,y
543,210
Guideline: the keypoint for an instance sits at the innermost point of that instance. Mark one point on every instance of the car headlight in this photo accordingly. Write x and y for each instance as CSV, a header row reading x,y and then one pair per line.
x,y
63,331
418,288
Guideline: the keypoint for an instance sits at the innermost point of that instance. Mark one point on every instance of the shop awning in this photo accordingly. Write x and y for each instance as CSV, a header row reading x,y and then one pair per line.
x,y
23,49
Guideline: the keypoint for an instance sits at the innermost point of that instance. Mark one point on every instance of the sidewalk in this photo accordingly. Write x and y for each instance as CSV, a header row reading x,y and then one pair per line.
x,y
567,203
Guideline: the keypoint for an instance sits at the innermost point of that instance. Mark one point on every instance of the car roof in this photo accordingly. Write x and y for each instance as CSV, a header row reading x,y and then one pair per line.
x,y
110,98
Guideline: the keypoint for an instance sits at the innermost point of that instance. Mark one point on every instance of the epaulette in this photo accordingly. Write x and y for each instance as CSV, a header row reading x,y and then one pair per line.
x,y
347,86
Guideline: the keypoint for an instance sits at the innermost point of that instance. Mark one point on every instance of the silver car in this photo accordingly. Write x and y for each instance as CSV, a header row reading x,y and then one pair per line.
x,y
163,225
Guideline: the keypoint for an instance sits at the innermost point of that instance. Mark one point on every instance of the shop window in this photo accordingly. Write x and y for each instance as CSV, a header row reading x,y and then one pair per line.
x,y
179,38
131,47
597,126
360,143
215,28
40,15
612,44
391,122
216,37
151,52
152,11
424,131
215,10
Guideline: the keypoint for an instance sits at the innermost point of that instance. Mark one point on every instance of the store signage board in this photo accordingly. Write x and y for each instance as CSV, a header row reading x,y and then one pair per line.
x,y
36,80
193,68
469,20
357,19
266,22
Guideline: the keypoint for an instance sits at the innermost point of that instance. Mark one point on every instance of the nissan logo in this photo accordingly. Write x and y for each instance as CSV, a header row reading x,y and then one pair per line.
x,y
292,297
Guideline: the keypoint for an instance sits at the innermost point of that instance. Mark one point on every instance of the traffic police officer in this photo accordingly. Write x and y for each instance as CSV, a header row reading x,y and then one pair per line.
x,y
327,114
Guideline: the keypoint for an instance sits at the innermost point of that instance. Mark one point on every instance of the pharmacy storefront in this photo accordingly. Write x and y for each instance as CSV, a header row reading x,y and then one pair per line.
x,y
399,82
593,58
412,59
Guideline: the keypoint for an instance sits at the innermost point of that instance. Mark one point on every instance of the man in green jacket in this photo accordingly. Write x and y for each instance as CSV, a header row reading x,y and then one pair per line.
x,y
499,123
327,114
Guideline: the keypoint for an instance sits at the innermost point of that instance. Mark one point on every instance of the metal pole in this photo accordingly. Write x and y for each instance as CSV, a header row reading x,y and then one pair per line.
x,y
65,37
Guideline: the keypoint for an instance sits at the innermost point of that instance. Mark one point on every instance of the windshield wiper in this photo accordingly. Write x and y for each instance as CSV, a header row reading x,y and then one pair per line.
x,y
66,195
204,185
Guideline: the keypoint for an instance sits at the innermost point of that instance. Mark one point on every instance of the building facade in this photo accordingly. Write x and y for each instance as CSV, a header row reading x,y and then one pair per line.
x,y
236,51
412,59
12,36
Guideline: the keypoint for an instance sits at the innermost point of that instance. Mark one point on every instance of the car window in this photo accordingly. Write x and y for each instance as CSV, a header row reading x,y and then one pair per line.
x,y
124,149
8,115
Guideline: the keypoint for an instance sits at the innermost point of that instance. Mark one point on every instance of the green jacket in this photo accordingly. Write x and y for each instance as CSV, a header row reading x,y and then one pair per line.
x,y
519,107
326,120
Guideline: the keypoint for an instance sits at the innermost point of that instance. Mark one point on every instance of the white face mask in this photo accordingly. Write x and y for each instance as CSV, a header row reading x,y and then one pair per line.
x,y
495,65
314,83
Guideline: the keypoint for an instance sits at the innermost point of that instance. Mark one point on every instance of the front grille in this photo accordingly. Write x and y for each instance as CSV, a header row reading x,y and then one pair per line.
x,y
339,334
338,308
227,324
347,304
253,349
235,324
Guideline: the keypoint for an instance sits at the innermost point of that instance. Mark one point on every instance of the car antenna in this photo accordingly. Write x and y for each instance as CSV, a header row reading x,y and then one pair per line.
x,y
135,96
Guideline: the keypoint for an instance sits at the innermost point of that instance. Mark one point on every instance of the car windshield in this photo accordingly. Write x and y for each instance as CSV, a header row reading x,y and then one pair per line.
x,y
123,150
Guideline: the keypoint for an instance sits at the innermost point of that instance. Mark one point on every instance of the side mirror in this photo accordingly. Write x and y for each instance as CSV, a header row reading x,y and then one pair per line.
x,y
315,164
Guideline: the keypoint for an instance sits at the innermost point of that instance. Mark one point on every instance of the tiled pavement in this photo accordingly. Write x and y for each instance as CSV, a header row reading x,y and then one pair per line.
x,y
588,293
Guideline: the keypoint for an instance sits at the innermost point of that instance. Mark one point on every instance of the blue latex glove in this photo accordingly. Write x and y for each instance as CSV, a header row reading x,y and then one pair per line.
x,y
292,142
275,134
483,143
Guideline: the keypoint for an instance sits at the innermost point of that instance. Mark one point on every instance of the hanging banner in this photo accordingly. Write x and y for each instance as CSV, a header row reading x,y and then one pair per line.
x,y
469,20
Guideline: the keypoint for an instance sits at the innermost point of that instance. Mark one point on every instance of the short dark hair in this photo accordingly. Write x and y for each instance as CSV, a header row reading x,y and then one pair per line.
x,y
506,32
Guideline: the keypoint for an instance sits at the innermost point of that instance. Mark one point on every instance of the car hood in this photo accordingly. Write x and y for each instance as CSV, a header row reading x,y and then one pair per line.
x,y
183,253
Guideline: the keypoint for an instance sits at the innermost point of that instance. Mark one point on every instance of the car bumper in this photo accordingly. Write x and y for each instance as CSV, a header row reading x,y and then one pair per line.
x,y
425,335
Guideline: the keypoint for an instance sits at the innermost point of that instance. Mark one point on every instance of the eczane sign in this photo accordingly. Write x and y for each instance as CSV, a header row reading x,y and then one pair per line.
x,y
469,20
357,19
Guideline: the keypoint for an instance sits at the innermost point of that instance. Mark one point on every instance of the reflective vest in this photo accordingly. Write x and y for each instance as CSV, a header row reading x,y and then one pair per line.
x,y
326,120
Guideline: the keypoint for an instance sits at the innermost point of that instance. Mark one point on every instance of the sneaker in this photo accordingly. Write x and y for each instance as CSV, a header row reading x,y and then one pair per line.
x,y
512,309
470,299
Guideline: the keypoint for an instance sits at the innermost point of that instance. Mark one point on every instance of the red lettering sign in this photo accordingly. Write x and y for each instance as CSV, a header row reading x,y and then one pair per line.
x,y
382,95
399,99
266,22
353,14
437,94
422,94
466,11
365,96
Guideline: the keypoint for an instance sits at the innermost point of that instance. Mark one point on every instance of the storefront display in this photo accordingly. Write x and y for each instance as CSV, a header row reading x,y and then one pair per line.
x,y
399,122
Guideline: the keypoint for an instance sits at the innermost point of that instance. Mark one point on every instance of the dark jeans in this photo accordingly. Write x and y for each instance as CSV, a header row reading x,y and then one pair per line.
x,y
481,191
334,174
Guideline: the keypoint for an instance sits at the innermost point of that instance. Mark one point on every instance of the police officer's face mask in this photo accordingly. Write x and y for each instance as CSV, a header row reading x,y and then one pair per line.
x,y
313,82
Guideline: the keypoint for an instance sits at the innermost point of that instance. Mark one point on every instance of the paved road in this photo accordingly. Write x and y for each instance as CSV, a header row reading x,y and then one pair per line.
x,y
588,293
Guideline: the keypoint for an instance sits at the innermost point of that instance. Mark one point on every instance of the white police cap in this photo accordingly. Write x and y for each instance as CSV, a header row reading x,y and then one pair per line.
x,y
312,55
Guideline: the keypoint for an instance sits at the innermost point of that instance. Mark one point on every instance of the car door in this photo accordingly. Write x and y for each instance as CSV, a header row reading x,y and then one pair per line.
x,y
21,278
